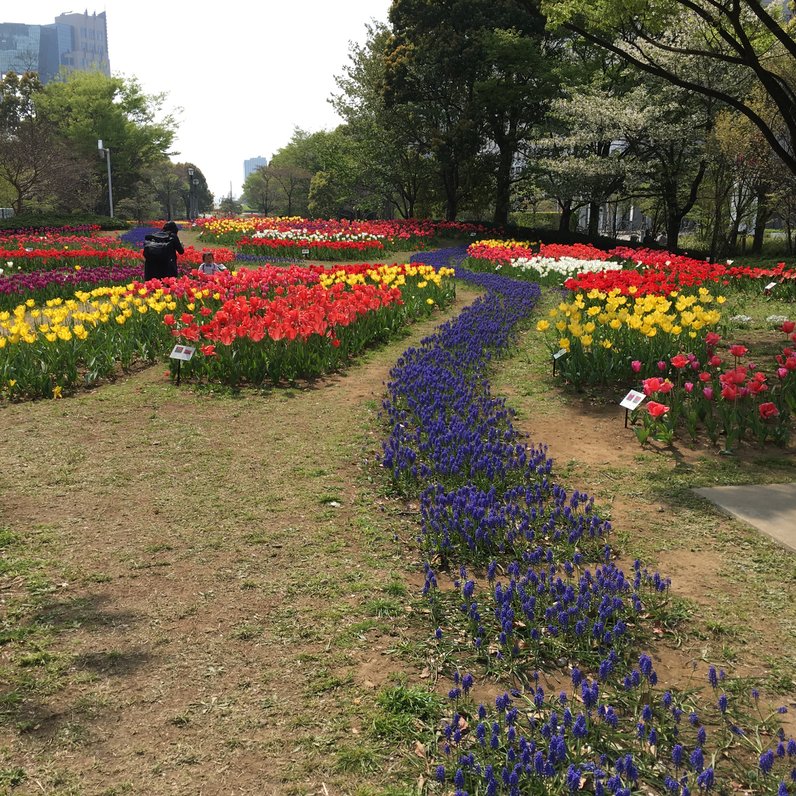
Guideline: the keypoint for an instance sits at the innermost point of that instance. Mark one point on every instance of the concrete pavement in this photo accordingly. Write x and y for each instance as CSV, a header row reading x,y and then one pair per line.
x,y
771,508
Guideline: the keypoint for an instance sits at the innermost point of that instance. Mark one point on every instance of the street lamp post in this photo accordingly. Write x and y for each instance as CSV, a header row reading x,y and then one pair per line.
x,y
192,183
190,193
106,152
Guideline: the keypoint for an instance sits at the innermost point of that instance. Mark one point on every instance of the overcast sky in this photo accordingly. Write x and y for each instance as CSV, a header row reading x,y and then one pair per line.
x,y
243,73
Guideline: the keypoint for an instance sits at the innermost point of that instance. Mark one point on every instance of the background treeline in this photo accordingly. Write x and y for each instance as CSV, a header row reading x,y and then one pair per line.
x,y
675,119
545,115
49,158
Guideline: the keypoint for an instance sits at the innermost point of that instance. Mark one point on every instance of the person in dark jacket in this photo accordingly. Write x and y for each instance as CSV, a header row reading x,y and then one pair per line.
x,y
175,249
160,252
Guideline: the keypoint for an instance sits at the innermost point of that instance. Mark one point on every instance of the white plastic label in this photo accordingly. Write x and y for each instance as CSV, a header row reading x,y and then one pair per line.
x,y
632,400
183,352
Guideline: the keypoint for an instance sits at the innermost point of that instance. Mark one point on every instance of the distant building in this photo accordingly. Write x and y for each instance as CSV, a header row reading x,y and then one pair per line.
x,y
252,164
72,42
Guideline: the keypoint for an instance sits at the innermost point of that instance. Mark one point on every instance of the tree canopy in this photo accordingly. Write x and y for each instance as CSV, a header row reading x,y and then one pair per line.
x,y
692,43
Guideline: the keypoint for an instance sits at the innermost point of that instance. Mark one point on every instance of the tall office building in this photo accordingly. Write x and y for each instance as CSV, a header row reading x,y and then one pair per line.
x,y
73,41
252,164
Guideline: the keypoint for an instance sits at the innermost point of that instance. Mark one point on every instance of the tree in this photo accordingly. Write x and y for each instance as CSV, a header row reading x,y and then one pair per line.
x,y
685,42
293,180
17,105
229,206
202,194
259,190
88,106
169,184
140,206
307,154
666,133
477,96
398,170
581,161
743,168
514,92
41,169
433,86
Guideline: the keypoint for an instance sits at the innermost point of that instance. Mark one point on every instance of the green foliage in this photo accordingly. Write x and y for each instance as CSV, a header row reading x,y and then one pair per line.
x,y
479,92
406,713
35,222
88,106
397,168
17,94
731,52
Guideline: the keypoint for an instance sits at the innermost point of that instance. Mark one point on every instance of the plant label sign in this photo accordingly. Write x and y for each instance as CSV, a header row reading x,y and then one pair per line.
x,y
560,353
305,252
770,286
632,400
182,352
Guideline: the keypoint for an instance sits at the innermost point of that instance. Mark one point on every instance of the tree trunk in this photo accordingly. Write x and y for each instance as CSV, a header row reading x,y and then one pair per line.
x,y
733,237
714,238
594,219
450,181
565,217
503,189
761,217
673,221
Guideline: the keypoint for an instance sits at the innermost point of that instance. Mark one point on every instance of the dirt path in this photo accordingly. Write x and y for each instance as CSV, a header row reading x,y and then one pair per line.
x,y
223,586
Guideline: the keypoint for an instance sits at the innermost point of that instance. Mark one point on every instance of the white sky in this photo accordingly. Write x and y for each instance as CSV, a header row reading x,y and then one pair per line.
x,y
244,72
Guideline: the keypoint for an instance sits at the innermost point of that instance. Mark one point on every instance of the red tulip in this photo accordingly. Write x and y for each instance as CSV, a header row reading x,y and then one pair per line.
x,y
768,410
679,361
656,410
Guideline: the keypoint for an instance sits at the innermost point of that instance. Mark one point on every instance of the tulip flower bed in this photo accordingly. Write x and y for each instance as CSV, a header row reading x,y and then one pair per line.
x,y
265,245
546,264
659,272
604,333
635,272
57,266
80,229
63,282
274,323
46,350
329,238
725,396
518,549
47,253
